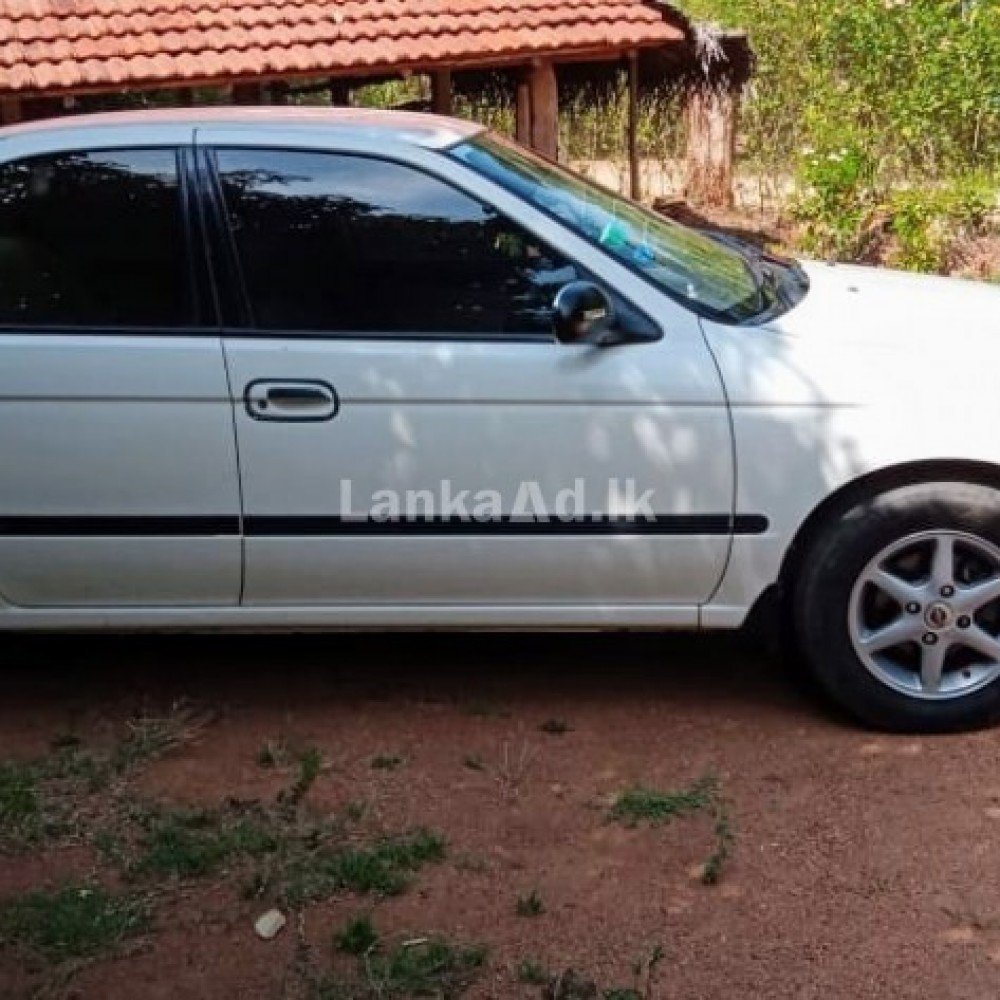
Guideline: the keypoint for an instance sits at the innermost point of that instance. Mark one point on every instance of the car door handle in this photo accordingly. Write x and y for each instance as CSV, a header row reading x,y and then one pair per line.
x,y
297,400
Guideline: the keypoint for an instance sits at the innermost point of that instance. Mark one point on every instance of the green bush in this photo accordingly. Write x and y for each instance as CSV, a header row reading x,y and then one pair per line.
x,y
926,221
835,199
918,82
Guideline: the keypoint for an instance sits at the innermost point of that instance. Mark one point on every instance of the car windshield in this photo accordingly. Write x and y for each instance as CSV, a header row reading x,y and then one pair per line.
x,y
713,279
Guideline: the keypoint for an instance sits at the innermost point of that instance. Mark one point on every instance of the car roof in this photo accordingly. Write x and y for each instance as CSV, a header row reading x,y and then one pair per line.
x,y
410,127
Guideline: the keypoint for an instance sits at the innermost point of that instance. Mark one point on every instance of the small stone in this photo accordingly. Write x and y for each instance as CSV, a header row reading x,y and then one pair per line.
x,y
959,935
269,924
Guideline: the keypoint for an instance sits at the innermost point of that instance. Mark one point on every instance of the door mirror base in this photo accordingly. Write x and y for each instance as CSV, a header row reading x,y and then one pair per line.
x,y
583,313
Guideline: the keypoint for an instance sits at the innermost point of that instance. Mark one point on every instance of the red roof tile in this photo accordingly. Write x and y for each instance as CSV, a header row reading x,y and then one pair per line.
x,y
93,44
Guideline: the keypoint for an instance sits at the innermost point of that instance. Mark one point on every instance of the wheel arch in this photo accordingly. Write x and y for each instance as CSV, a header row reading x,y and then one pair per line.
x,y
771,608
874,484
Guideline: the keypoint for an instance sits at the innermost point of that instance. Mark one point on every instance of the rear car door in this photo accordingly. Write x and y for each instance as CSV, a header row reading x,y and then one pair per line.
x,y
119,484
395,347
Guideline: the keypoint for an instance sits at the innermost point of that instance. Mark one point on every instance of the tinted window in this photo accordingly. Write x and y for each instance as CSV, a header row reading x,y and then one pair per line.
x,y
345,243
92,239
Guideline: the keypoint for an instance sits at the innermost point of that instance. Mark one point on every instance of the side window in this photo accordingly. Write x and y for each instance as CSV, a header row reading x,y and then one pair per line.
x,y
340,243
93,239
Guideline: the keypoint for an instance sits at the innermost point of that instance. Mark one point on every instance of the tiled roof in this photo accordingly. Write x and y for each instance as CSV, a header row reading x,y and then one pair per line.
x,y
65,45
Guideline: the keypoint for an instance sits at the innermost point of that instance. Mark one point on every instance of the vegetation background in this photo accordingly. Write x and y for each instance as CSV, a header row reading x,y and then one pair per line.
x,y
871,128
887,112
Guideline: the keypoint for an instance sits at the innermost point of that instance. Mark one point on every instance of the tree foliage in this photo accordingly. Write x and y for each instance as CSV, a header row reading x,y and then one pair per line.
x,y
915,83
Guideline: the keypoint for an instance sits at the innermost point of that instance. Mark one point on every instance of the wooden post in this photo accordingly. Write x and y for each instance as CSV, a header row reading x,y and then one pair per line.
x,y
711,113
544,109
441,92
523,111
340,93
635,183
10,110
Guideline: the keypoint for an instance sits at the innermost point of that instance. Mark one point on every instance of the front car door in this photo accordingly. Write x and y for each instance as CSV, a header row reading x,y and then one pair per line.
x,y
119,485
395,351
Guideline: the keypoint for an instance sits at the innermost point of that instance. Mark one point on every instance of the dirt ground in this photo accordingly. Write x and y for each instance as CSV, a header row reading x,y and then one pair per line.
x,y
862,865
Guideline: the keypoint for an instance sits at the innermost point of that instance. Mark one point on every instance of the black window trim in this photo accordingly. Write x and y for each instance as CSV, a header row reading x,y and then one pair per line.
x,y
191,242
224,247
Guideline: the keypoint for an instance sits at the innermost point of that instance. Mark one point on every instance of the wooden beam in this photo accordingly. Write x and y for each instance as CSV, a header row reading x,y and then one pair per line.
x,y
635,183
523,110
544,108
712,112
441,92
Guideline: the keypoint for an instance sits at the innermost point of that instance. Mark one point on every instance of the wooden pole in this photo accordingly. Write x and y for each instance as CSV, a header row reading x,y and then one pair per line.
x,y
544,108
10,110
340,93
441,92
523,111
635,182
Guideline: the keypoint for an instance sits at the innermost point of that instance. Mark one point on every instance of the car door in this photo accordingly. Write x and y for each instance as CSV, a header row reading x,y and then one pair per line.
x,y
396,352
119,484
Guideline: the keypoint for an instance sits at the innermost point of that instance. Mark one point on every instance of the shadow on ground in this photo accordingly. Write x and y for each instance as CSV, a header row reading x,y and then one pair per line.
x,y
684,671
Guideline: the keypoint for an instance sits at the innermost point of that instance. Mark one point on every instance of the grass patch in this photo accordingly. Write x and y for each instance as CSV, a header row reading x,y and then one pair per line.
x,y
711,870
420,967
279,854
531,972
648,805
384,868
183,844
45,798
149,737
73,922
386,762
309,763
20,809
640,804
272,753
473,762
570,985
356,937
530,905
431,967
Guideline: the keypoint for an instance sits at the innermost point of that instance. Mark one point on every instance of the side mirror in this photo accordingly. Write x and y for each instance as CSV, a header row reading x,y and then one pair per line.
x,y
582,313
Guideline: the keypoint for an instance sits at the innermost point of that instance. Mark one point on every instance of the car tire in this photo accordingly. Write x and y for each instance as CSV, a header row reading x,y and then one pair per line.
x,y
883,565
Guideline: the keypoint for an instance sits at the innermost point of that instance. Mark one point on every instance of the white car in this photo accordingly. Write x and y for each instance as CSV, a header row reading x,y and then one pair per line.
x,y
277,368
